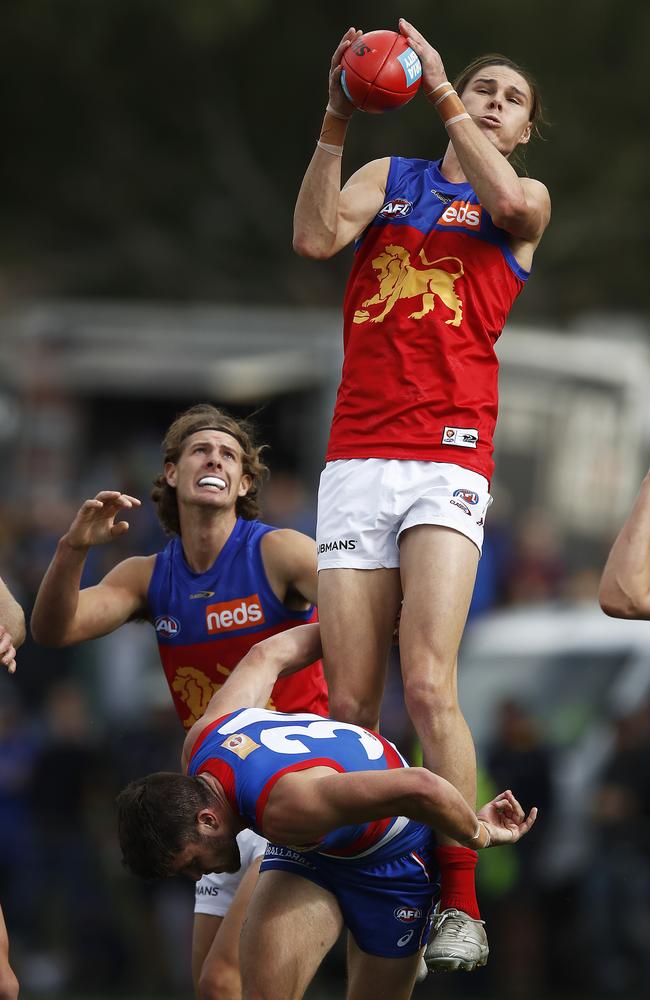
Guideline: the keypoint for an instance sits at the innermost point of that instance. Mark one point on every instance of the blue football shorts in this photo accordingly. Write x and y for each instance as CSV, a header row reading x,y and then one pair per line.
x,y
387,902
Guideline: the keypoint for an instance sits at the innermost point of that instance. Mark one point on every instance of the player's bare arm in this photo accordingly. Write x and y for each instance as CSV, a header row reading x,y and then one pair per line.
x,y
521,206
63,614
12,627
250,685
290,563
8,981
625,583
304,806
327,218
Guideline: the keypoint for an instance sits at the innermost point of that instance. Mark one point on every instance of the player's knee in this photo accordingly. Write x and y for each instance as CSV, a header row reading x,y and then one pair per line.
x,y
346,707
425,696
219,980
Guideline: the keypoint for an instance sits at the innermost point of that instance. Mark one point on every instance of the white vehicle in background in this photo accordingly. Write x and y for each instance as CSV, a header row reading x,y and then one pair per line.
x,y
575,670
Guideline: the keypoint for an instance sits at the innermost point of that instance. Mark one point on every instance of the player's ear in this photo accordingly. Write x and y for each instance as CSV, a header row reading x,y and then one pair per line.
x,y
244,485
525,135
170,473
206,817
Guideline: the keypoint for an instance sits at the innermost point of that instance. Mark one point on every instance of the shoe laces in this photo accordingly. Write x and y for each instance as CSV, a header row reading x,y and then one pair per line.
x,y
458,922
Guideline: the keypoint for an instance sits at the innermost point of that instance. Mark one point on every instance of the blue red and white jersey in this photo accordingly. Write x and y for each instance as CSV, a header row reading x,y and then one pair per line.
x,y
206,622
431,287
248,751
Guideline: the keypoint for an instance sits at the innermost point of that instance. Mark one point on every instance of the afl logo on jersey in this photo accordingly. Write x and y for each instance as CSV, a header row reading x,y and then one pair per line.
x,y
407,914
167,627
397,208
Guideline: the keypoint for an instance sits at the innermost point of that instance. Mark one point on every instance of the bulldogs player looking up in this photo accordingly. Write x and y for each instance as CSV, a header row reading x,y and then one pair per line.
x,y
224,581
351,830
443,248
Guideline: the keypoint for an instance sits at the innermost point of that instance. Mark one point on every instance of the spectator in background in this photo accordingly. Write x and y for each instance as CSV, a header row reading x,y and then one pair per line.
x,y
70,789
625,583
536,571
12,635
519,758
617,891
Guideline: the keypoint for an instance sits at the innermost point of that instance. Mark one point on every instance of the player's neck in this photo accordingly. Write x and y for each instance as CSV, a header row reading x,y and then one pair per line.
x,y
204,534
224,806
450,167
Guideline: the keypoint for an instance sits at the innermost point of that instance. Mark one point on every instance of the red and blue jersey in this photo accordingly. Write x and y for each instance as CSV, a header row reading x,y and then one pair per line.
x,y
431,287
206,622
248,751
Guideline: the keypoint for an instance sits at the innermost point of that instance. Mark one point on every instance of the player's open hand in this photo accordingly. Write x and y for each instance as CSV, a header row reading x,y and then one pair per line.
x,y
338,102
433,70
505,819
95,522
7,650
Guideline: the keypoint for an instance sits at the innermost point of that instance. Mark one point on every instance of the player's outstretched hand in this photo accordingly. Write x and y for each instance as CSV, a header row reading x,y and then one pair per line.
x,y
95,521
505,819
338,102
7,650
433,70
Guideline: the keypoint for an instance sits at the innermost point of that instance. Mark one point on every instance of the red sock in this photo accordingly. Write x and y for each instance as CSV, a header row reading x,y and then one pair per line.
x,y
457,888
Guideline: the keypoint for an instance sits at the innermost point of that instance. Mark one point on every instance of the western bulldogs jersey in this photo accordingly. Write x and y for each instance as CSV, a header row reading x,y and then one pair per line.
x,y
431,287
206,622
249,750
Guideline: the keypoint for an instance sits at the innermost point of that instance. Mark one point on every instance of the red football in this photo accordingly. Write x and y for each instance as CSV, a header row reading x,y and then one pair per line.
x,y
380,71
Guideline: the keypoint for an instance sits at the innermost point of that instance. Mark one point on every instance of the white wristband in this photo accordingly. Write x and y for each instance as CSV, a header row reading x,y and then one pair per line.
x,y
445,83
336,114
444,97
458,118
334,150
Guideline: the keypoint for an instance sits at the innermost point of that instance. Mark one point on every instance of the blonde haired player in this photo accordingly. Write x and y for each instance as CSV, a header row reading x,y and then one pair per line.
x,y
223,582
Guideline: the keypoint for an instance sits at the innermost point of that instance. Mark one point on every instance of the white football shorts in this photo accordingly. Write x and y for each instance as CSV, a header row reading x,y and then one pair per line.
x,y
364,505
214,893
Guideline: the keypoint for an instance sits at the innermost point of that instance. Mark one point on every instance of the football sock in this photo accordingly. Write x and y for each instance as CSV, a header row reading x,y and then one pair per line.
x,y
457,889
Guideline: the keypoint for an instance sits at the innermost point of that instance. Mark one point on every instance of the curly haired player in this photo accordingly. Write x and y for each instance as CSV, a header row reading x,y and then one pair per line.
x,y
442,249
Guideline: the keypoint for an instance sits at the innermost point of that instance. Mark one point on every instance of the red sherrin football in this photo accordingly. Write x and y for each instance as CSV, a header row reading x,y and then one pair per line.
x,y
380,71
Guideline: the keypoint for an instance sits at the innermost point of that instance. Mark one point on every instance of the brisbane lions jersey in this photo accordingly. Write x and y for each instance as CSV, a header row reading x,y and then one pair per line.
x,y
431,287
206,622
249,750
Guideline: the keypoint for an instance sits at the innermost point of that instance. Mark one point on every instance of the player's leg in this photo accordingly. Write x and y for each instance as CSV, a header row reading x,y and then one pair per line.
x,y
357,609
290,926
374,978
438,567
359,590
215,944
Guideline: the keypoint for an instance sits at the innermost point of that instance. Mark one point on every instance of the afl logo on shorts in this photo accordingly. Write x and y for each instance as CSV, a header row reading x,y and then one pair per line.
x,y
407,914
469,496
167,627
397,208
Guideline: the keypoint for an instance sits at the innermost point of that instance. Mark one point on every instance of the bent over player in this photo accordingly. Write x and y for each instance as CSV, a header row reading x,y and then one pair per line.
x,y
442,249
224,581
351,831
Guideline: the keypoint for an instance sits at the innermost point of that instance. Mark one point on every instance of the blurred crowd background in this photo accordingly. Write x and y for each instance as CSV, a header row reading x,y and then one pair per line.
x,y
151,157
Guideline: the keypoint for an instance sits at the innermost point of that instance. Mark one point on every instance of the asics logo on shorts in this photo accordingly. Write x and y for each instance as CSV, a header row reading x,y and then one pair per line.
x,y
404,940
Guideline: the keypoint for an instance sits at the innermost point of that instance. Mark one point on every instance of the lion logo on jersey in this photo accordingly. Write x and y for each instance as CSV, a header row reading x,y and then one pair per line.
x,y
400,279
194,690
